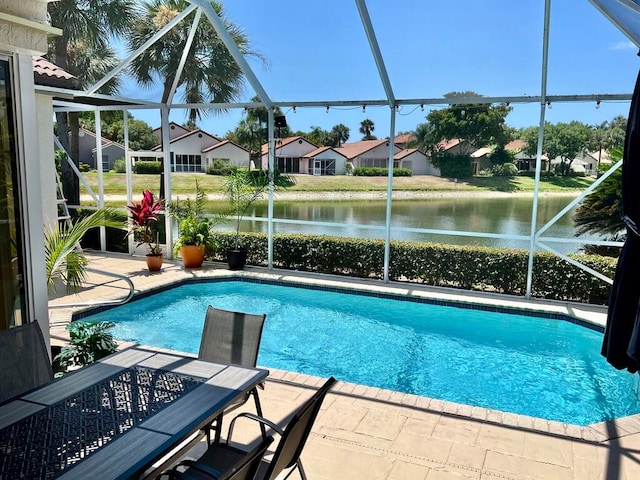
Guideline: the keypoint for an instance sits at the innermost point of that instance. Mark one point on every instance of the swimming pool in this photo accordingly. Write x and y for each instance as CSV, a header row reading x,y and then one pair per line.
x,y
527,365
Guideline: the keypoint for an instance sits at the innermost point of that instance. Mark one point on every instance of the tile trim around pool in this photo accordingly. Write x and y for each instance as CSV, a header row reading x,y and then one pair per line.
x,y
598,432
352,290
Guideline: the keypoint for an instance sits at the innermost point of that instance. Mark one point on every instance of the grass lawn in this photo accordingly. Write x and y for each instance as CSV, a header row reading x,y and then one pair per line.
x,y
184,183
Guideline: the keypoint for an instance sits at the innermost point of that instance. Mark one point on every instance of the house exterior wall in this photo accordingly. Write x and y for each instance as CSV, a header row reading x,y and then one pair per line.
x,y
236,155
419,164
174,131
378,155
47,169
110,153
296,149
340,162
19,43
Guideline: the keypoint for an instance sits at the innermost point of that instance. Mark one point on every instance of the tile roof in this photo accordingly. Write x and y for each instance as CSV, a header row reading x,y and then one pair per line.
x,y
281,142
404,138
481,152
223,142
185,135
406,152
352,150
516,145
320,150
48,74
448,144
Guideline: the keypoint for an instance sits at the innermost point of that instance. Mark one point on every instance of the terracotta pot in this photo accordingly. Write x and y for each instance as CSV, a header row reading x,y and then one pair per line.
x,y
192,255
237,258
154,262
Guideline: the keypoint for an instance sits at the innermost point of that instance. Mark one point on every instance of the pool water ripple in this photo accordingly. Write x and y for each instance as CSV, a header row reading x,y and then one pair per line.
x,y
526,365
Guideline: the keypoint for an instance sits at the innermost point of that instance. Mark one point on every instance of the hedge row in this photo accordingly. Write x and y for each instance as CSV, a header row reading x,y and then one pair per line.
x,y
469,268
381,172
147,167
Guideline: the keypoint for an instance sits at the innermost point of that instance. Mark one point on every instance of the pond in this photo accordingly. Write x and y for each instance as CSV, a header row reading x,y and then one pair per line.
x,y
504,215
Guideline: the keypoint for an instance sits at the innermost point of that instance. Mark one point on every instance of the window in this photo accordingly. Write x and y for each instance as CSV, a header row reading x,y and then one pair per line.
x,y
374,162
12,298
288,164
186,163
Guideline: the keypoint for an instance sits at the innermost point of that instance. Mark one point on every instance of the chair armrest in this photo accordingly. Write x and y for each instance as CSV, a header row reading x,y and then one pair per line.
x,y
206,469
256,418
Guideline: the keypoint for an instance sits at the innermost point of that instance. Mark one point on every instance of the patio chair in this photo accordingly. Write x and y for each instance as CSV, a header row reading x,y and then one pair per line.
x,y
244,469
24,360
232,337
292,440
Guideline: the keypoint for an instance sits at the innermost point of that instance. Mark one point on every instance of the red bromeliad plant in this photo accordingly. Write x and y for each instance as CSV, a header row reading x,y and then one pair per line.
x,y
143,218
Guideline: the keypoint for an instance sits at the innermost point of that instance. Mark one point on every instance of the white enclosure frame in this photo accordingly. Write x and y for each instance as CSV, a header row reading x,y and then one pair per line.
x,y
204,8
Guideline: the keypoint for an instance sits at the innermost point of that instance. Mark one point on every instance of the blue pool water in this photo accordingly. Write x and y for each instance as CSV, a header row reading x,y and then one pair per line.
x,y
528,365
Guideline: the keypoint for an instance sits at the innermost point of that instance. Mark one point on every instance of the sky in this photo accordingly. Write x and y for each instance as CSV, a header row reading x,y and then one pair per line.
x,y
318,51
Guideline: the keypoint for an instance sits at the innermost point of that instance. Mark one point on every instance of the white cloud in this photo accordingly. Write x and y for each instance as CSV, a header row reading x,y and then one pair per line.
x,y
624,45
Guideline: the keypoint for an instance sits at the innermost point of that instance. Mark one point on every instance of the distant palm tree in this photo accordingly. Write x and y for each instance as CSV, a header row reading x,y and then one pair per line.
x,y
366,128
340,133
84,50
210,73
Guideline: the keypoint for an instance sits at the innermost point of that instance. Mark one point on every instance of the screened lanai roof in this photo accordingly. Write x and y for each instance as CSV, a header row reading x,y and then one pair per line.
x,y
625,14
301,33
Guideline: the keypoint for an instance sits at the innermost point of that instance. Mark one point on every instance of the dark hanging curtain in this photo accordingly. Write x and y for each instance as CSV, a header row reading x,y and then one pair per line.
x,y
621,345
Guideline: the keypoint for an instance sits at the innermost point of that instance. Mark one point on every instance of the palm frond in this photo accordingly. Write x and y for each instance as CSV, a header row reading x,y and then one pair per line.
x,y
62,258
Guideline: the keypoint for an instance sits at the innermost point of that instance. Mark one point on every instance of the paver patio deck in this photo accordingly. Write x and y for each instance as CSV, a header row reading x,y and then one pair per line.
x,y
370,433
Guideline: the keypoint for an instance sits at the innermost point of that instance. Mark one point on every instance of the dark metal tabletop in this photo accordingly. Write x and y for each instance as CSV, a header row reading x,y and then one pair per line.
x,y
114,418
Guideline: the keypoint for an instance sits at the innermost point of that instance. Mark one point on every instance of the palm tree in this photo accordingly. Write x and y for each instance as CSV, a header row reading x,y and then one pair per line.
x,y
340,133
62,258
84,50
210,73
366,128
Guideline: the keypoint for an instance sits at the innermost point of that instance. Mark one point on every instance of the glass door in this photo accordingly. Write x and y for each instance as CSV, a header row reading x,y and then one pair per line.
x,y
12,297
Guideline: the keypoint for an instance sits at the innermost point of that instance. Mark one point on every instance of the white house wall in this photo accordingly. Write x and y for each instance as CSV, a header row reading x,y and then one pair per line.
x,y
340,161
379,152
296,149
420,164
234,154
47,169
192,145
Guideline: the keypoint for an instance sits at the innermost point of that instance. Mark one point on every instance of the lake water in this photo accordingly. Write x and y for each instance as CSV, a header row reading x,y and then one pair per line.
x,y
510,216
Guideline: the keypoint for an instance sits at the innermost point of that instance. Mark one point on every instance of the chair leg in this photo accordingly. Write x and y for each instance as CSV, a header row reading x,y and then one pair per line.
x,y
256,398
301,471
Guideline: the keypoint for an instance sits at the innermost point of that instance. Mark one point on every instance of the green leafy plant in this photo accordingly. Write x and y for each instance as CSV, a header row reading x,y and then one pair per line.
x,y
63,258
143,221
243,187
89,342
193,227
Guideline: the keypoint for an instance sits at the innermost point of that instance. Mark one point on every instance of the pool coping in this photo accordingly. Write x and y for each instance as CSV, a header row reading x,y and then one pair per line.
x,y
586,315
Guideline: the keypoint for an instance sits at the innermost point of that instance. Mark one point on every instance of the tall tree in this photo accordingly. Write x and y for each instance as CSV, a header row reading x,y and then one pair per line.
x,y
366,129
564,141
210,73
84,50
339,134
474,124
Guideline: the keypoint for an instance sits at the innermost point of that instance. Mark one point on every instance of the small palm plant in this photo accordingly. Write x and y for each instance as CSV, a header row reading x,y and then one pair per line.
x,y
63,258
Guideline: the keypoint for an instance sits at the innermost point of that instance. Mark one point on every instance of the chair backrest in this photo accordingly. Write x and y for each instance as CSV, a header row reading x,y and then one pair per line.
x,y
231,337
24,361
296,433
247,468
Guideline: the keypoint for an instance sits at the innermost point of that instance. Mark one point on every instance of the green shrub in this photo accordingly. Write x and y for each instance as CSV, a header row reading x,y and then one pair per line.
x,y
221,166
119,166
84,167
453,166
381,172
487,269
504,170
146,167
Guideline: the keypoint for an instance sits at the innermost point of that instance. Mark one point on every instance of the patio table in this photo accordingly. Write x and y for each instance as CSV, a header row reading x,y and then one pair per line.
x,y
115,418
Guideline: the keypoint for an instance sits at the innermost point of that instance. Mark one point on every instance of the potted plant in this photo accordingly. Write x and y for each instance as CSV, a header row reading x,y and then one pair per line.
x,y
142,224
195,239
242,188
